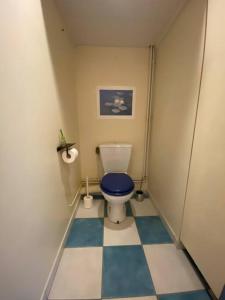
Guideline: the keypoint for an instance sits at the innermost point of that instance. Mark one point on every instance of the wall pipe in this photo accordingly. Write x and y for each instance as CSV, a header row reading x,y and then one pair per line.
x,y
149,113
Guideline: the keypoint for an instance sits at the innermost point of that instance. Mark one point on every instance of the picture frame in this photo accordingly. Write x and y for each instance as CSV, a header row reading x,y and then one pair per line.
x,y
116,102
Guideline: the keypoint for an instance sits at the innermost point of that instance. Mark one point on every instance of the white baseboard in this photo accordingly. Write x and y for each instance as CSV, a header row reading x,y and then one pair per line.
x,y
54,267
166,223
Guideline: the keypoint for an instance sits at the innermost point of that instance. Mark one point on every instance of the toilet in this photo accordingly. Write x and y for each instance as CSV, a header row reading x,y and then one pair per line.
x,y
116,185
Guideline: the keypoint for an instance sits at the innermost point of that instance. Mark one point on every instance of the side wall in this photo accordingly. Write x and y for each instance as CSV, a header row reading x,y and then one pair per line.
x,y
178,66
204,215
35,186
106,66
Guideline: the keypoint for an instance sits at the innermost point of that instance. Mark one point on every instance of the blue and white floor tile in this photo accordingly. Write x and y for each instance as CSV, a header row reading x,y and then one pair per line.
x,y
124,233
134,260
97,211
170,269
79,274
86,233
152,230
195,295
144,208
125,272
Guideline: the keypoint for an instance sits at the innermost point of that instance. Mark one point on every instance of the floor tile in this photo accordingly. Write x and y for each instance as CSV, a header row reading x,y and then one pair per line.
x,y
96,211
129,212
196,295
79,274
105,209
136,298
125,272
144,208
170,269
86,233
152,230
124,233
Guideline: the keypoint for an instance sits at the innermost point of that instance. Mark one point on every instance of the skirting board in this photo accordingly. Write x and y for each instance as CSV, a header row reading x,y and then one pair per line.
x,y
55,265
177,242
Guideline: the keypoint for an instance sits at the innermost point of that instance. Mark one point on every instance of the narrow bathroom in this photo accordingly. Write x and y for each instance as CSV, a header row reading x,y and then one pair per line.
x,y
112,150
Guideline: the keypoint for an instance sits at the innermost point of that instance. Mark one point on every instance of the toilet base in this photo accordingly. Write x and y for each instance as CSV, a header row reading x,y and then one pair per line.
x,y
116,206
116,212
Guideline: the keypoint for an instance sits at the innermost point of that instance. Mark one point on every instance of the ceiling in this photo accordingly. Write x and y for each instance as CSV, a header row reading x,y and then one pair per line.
x,y
129,23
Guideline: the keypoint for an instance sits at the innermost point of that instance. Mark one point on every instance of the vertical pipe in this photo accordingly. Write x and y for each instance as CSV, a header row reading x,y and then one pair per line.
x,y
87,191
149,110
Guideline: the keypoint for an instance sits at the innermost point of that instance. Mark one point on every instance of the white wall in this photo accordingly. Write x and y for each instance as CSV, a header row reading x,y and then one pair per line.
x,y
178,65
204,217
35,185
106,66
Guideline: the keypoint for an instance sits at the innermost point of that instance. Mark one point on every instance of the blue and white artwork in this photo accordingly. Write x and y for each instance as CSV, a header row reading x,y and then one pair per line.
x,y
116,102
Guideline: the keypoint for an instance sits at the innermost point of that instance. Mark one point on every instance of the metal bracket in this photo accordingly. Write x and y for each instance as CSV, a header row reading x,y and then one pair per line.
x,y
66,147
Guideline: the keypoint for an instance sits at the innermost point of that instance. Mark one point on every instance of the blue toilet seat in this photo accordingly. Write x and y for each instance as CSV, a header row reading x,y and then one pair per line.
x,y
117,184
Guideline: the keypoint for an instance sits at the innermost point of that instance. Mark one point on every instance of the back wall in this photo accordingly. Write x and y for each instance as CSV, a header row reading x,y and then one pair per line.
x,y
107,66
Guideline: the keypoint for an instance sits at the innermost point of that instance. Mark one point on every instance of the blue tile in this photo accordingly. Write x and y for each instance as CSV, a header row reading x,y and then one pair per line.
x,y
86,233
128,209
105,209
195,295
125,272
152,230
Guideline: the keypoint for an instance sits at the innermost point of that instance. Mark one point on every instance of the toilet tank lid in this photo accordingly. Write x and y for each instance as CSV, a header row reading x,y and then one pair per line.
x,y
115,145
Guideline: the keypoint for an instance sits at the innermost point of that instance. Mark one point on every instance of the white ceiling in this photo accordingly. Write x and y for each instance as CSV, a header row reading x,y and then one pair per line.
x,y
136,23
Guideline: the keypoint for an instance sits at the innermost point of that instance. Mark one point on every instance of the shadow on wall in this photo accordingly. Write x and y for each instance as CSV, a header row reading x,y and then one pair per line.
x,y
66,171
62,56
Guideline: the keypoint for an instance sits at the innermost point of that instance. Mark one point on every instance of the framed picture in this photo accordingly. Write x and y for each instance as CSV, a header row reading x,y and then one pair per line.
x,y
116,102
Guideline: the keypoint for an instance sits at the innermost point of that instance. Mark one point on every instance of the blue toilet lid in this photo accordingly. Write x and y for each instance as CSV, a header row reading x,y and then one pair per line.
x,y
117,184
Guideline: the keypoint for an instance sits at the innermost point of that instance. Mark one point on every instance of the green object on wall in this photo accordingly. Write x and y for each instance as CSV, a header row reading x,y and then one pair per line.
x,y
62,138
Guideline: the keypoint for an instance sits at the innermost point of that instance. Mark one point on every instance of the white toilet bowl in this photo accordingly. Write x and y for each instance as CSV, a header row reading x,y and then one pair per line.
x,y
116,208
117,188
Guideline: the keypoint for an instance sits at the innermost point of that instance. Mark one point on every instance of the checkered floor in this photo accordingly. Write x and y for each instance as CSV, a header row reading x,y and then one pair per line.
x,y
135,259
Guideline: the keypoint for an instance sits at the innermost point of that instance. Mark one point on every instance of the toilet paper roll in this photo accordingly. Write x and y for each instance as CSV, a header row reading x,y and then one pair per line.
x,y
73,153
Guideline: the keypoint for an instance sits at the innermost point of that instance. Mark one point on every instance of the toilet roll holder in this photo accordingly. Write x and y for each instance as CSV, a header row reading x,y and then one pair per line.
x,y
65,147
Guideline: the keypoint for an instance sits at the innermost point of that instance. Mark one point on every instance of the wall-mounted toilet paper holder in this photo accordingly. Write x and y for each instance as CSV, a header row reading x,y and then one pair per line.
x,y
66,147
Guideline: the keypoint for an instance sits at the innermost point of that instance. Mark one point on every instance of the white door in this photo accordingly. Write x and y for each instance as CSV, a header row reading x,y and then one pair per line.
x,y
203,232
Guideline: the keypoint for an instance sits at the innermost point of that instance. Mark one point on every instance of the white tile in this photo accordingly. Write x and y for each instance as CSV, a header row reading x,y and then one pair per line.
x,y
97,210
136,298
79,274
170,269
144,208
124,233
